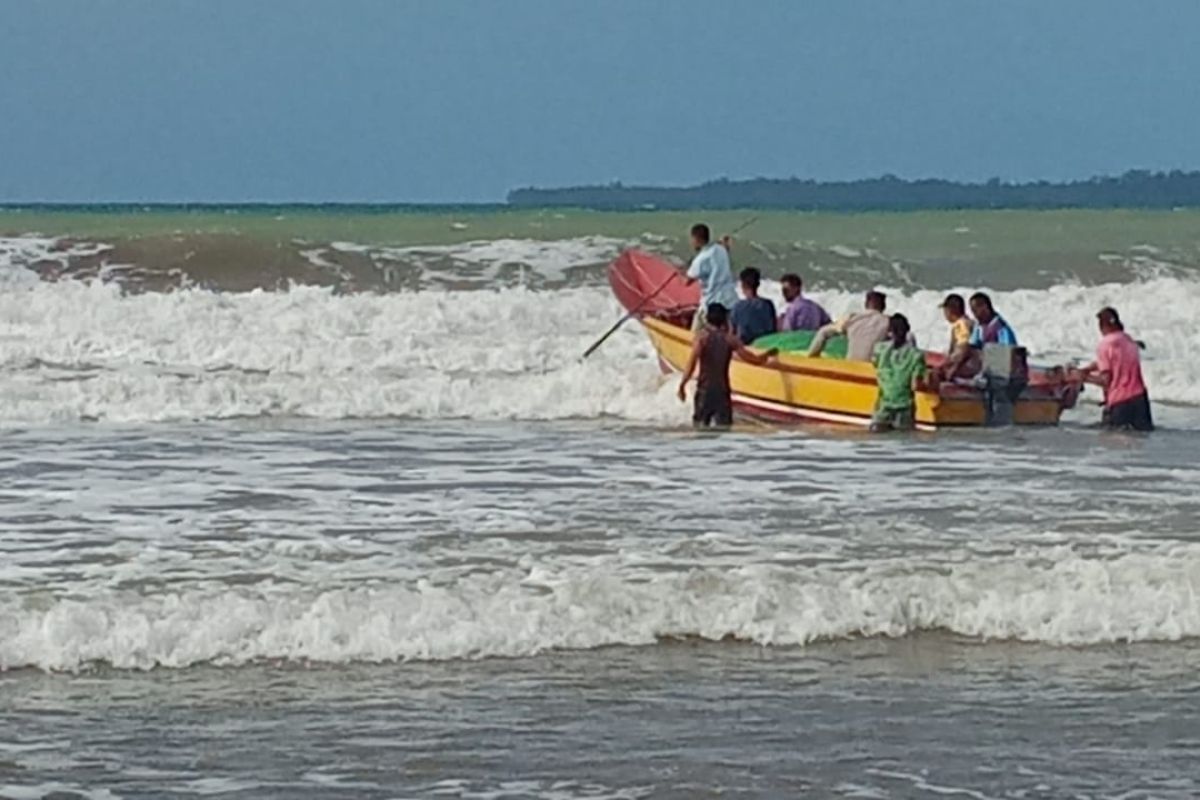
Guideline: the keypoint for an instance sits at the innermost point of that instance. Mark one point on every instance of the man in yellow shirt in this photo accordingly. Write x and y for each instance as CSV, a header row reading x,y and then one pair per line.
x,y
962,361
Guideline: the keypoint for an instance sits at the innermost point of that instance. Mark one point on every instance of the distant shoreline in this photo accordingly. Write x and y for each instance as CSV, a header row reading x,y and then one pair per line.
x,y
1136,190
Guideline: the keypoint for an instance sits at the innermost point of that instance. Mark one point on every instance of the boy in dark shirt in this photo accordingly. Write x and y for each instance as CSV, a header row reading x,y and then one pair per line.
x,y
712,351
753,316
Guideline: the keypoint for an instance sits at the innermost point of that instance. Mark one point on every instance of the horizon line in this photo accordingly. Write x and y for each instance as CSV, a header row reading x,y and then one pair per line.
x,y
13,204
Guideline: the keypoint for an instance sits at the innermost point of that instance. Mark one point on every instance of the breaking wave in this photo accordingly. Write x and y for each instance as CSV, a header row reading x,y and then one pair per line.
x,y
1051,595
461,342
88,351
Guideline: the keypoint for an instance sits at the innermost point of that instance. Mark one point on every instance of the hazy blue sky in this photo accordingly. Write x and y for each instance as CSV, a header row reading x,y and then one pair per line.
x,y
445,100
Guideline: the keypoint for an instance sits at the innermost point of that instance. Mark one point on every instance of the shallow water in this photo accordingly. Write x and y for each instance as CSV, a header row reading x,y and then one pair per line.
x,y
447,609
924,716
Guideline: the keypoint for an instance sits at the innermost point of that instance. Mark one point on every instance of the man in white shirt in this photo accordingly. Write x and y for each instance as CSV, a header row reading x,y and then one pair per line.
x,y
711,267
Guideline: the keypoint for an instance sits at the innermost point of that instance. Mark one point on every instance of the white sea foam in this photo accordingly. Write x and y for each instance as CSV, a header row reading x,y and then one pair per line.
x,y
72,351
543,789
51,790
481,261
18,254
1049,595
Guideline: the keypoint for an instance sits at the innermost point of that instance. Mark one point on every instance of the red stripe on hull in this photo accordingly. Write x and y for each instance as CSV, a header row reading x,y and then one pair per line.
x,y
748,410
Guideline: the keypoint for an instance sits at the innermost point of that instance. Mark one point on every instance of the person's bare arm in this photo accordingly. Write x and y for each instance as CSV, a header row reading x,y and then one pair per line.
x,y
927,380
746,354
685,272
689,370
823,335
954,361
1093,374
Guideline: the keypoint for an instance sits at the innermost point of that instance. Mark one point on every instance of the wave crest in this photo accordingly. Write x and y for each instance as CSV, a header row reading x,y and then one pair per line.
x,y
1051,596
74,351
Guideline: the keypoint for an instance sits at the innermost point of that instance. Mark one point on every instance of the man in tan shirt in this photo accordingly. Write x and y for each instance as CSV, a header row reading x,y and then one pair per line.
x,y
863,330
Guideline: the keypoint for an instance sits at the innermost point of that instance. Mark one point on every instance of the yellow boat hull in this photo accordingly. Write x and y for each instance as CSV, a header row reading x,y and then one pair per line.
x,y
795,387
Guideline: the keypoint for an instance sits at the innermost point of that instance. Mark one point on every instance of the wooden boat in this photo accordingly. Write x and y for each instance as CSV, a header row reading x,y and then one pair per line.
x,y
795,387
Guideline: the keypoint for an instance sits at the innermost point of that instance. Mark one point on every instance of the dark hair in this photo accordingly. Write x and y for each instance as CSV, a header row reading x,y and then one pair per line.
x,y
955,303
1109,317
701,232
982,299
716,314
898,329
793,279
876,300
751,277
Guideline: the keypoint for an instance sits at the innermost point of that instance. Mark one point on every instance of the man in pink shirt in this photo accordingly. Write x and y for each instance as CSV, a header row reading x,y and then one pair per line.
x,y
1118,366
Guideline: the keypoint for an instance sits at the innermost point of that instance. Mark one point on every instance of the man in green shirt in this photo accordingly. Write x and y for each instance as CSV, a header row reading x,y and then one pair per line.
x,y
899,367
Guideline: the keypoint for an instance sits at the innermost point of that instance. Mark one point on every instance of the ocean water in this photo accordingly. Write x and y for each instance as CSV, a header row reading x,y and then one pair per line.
x,y
400,542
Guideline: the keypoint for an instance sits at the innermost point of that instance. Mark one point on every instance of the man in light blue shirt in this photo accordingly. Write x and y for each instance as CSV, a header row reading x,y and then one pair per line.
x,y
711,267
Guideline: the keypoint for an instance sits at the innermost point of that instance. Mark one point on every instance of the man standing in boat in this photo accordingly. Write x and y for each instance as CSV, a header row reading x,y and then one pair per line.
x,y
711,268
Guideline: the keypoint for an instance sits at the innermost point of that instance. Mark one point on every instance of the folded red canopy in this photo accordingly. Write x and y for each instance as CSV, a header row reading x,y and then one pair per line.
x,y
636,275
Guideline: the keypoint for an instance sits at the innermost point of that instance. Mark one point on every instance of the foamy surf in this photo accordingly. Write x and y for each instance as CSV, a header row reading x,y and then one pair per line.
x,y
1051,596
74,351
224,261
24,260
89,351
483,263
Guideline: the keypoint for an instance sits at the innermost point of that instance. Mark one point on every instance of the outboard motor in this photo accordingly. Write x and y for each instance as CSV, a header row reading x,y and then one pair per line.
x,y
1005,375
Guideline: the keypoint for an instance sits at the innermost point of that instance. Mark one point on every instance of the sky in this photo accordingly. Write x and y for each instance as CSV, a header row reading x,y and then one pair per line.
x,y
462,100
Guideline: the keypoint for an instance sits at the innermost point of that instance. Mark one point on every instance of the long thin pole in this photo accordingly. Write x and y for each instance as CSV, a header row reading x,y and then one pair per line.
x,y
743,226
630,315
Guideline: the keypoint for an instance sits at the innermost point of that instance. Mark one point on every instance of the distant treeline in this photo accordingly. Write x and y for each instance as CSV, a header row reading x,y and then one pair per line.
x,y
1134,189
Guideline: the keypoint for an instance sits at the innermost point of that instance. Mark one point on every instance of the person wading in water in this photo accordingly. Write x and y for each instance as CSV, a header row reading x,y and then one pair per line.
x,y
712,351
900,369
1118,368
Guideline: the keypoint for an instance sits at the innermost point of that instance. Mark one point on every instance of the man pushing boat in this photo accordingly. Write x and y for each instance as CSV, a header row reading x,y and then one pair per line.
x,y
1118,368
712,350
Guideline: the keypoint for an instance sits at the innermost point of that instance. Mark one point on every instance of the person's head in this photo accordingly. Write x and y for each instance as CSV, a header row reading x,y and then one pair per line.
x,y
701,236
791,285
717,315
876,300
1110,320
750,279
898,330
981,307
954,308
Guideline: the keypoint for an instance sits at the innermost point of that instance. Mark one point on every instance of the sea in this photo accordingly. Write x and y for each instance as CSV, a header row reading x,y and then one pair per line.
x,y
323,502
